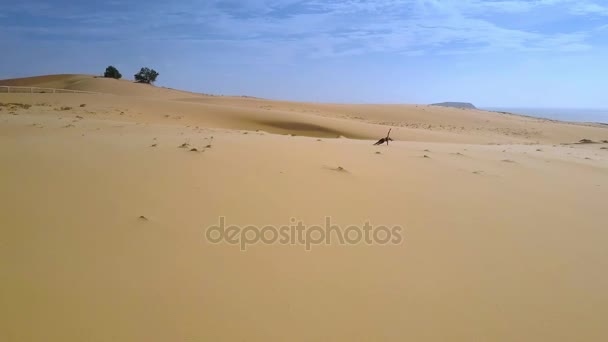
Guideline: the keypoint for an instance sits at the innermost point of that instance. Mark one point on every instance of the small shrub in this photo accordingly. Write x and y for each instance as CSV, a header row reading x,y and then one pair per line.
x,y
146,75
112,72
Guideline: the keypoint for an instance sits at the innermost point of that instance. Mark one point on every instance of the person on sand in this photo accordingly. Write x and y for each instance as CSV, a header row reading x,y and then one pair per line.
x,y
386,139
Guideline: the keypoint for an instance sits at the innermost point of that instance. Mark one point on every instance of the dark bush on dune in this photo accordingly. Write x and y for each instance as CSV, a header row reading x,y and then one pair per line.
x,y
146,75
112,72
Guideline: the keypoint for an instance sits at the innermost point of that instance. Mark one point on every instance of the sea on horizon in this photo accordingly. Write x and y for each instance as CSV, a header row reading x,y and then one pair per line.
x,y
562,114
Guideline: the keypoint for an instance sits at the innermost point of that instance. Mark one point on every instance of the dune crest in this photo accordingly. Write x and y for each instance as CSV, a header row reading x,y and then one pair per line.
x,y
411,122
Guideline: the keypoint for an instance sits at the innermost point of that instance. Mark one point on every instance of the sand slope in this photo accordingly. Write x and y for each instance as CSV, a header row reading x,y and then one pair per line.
x,y
411,122
504,222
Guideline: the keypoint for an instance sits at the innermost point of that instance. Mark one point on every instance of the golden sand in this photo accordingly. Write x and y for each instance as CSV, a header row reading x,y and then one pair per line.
x,y
504,221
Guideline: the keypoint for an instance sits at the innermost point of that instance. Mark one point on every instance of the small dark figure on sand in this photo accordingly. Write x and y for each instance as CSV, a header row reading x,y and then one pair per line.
x,y
385,140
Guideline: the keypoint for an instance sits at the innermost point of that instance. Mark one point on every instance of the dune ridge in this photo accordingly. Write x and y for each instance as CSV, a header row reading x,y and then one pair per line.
x,y
414,122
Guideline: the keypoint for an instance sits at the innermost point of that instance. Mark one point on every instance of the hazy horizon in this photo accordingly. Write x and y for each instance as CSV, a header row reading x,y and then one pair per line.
x,y
543,54
599,115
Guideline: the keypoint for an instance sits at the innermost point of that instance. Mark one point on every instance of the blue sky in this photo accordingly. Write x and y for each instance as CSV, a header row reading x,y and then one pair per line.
x,y
542,53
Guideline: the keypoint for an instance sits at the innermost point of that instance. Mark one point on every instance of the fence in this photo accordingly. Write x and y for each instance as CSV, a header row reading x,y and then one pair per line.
x,y
37,90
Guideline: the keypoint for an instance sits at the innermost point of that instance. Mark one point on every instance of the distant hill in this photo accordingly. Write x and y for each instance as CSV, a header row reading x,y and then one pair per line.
x,y
464,105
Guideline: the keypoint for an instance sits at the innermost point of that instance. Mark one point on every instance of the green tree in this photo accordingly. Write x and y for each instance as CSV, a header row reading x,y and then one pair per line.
x,y
146,75
112,72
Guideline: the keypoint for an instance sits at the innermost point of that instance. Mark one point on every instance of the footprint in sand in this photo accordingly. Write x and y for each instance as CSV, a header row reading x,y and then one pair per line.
x,y
337,169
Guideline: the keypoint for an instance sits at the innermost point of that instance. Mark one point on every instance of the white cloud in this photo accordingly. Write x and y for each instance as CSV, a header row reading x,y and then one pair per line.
x,y
352,27
586,8
322,28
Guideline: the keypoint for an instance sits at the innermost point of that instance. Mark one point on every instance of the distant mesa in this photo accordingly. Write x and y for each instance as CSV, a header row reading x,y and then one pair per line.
x,y
463,105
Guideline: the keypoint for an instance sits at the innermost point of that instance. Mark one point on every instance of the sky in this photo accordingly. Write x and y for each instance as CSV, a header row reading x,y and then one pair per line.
x,y
510,53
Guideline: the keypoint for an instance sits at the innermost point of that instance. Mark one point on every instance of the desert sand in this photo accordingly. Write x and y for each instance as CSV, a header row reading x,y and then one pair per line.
x,y
103,218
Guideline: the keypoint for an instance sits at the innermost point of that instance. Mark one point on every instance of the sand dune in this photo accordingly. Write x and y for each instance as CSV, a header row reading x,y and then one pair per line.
x,y
413,122
96,84
103,220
